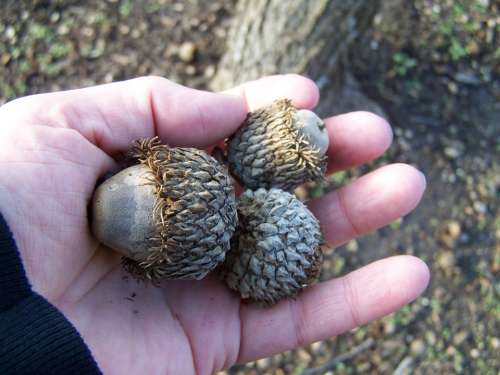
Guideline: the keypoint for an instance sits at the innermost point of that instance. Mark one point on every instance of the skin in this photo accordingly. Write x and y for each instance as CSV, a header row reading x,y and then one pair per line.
x,y
54,147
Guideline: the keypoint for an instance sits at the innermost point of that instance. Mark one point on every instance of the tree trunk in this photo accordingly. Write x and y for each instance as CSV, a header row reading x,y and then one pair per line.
x,y
309,37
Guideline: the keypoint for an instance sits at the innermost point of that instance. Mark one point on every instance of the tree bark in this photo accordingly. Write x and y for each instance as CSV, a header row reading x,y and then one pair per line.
x,y
309,37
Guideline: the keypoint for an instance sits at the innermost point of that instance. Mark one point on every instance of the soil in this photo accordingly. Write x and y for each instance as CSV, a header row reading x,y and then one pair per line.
x,y
440,91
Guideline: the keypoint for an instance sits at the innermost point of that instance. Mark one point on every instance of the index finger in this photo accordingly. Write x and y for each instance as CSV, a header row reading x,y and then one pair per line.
x,y
112,115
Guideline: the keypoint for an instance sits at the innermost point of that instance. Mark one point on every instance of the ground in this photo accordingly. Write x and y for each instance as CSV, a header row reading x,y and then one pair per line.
x,y
434,68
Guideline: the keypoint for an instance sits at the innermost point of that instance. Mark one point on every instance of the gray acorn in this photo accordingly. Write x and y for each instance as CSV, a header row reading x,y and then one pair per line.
x,y
276,249
171,213
279,146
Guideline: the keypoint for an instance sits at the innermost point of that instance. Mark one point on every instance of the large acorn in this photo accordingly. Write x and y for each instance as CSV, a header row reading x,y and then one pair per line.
x,y
276,249
278,146
171,213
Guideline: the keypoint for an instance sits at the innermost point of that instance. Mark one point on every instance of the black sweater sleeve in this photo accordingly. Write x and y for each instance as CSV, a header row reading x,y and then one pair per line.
x,y
35,337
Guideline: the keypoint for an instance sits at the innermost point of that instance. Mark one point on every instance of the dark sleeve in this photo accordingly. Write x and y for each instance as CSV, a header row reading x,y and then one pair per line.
x,y
35,337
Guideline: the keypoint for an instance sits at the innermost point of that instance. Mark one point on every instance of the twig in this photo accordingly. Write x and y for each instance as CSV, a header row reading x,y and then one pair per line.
x,y
403,365
330,365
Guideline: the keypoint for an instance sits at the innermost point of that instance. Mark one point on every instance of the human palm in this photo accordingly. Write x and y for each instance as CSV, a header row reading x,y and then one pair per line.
x,y
53,149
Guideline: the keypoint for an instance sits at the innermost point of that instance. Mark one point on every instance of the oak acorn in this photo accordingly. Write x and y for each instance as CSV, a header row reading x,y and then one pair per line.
x,y
278,146
276,249
171,213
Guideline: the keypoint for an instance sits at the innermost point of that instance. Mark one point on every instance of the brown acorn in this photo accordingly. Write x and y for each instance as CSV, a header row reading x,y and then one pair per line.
x,y
171,214
278,146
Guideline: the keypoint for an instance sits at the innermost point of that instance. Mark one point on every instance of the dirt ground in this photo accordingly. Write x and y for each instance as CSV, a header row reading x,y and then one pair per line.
x,y
433,66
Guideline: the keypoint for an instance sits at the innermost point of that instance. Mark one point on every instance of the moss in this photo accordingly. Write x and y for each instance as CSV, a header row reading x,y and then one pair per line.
x,y
360,333
396,224
338,265
455,27
59,50
458,362
316,191
125,8
339,178
39,32
6,91
403,63
299,369
404,316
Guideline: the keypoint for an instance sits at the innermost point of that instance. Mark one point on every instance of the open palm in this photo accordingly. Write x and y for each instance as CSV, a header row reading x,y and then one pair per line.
x,y
53,149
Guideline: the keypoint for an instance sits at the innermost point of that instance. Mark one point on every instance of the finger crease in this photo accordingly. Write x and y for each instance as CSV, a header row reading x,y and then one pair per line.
x,y
345,213
351,300
152,110
297,314
240,320
97,136
201,121
188,339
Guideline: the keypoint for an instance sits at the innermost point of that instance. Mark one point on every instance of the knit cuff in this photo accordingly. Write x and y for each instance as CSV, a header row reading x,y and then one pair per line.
x,y
35,337
14,285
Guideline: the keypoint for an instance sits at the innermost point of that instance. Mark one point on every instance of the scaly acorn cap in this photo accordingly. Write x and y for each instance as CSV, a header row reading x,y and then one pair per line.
x,y
278,146
276,249
171,214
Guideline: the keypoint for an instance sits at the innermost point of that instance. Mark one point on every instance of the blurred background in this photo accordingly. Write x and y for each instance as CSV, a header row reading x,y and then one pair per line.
x,y
432,67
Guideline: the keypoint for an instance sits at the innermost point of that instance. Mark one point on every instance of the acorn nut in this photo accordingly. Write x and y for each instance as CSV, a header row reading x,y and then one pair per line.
x,y
279,146
276,249
171,214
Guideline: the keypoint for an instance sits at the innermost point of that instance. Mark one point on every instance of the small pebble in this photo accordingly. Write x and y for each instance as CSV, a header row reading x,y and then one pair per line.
x,y
190,70
54,17
449,232
316,347
187,50
304,355
450,350
430,337
446,259
460,337
352,246
474,353
209,71
451,152
10,32
480,207
495,343
389,327
5,58
263,363
417,347
363,367
124,29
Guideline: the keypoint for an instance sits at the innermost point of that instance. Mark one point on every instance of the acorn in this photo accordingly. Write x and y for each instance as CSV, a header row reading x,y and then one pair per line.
x,y
276,249
279,146
171,213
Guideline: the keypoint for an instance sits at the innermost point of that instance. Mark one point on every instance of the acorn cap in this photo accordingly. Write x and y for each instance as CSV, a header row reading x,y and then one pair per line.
x,y
276,249
171,215
279,146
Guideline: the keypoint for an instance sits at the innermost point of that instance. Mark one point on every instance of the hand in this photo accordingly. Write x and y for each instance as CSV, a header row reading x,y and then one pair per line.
x,y
54,147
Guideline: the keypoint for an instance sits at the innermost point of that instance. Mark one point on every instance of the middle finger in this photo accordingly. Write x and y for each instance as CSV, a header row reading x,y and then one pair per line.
x,y
372,201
